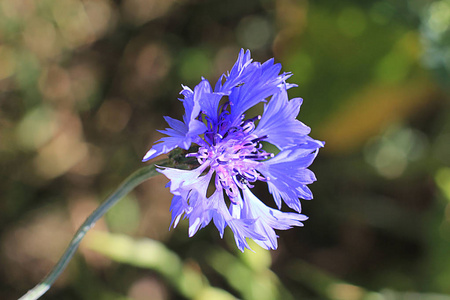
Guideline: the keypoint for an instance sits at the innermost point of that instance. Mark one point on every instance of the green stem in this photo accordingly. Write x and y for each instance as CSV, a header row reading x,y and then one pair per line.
x,y
129,184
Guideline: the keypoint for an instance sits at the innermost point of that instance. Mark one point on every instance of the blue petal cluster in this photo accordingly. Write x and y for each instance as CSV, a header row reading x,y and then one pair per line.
x,y
231,154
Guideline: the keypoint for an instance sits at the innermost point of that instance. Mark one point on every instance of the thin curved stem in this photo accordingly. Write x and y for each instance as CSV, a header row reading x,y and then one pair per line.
x,y
127,185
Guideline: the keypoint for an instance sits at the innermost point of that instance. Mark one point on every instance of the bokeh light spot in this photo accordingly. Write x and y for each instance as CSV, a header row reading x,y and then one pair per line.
x,y
36,128
194,64
254,32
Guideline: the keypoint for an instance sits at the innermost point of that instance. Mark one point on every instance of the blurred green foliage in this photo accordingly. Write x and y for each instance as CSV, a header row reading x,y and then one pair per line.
x,y
84,85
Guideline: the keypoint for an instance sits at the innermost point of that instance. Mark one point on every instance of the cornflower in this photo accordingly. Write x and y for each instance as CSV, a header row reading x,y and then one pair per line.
x,y
229,151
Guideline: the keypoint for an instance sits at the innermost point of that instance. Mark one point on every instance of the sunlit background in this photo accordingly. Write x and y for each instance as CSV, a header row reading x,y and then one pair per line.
x,y
84,86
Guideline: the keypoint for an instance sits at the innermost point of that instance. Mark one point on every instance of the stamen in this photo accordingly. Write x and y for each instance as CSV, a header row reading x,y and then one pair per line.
x,y
259,139
258,117
223,107
233,154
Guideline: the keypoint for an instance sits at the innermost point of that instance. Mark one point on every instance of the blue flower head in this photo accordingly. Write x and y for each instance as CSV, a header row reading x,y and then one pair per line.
x,y
229,152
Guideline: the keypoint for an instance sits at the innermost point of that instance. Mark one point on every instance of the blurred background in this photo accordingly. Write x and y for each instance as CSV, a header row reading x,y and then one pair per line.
x,y
84,86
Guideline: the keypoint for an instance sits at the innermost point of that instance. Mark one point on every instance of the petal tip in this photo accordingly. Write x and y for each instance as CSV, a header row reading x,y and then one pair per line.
x,y
149,155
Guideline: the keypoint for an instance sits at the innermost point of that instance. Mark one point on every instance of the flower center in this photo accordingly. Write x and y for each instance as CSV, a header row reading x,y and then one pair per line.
x,y
234,157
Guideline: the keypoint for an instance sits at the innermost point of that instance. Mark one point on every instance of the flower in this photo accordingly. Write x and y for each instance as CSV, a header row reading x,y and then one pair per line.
x,y
231,154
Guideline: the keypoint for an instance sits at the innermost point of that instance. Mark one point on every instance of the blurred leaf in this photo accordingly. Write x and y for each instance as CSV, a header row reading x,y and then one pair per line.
x,y
370,111
151,254
252,281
